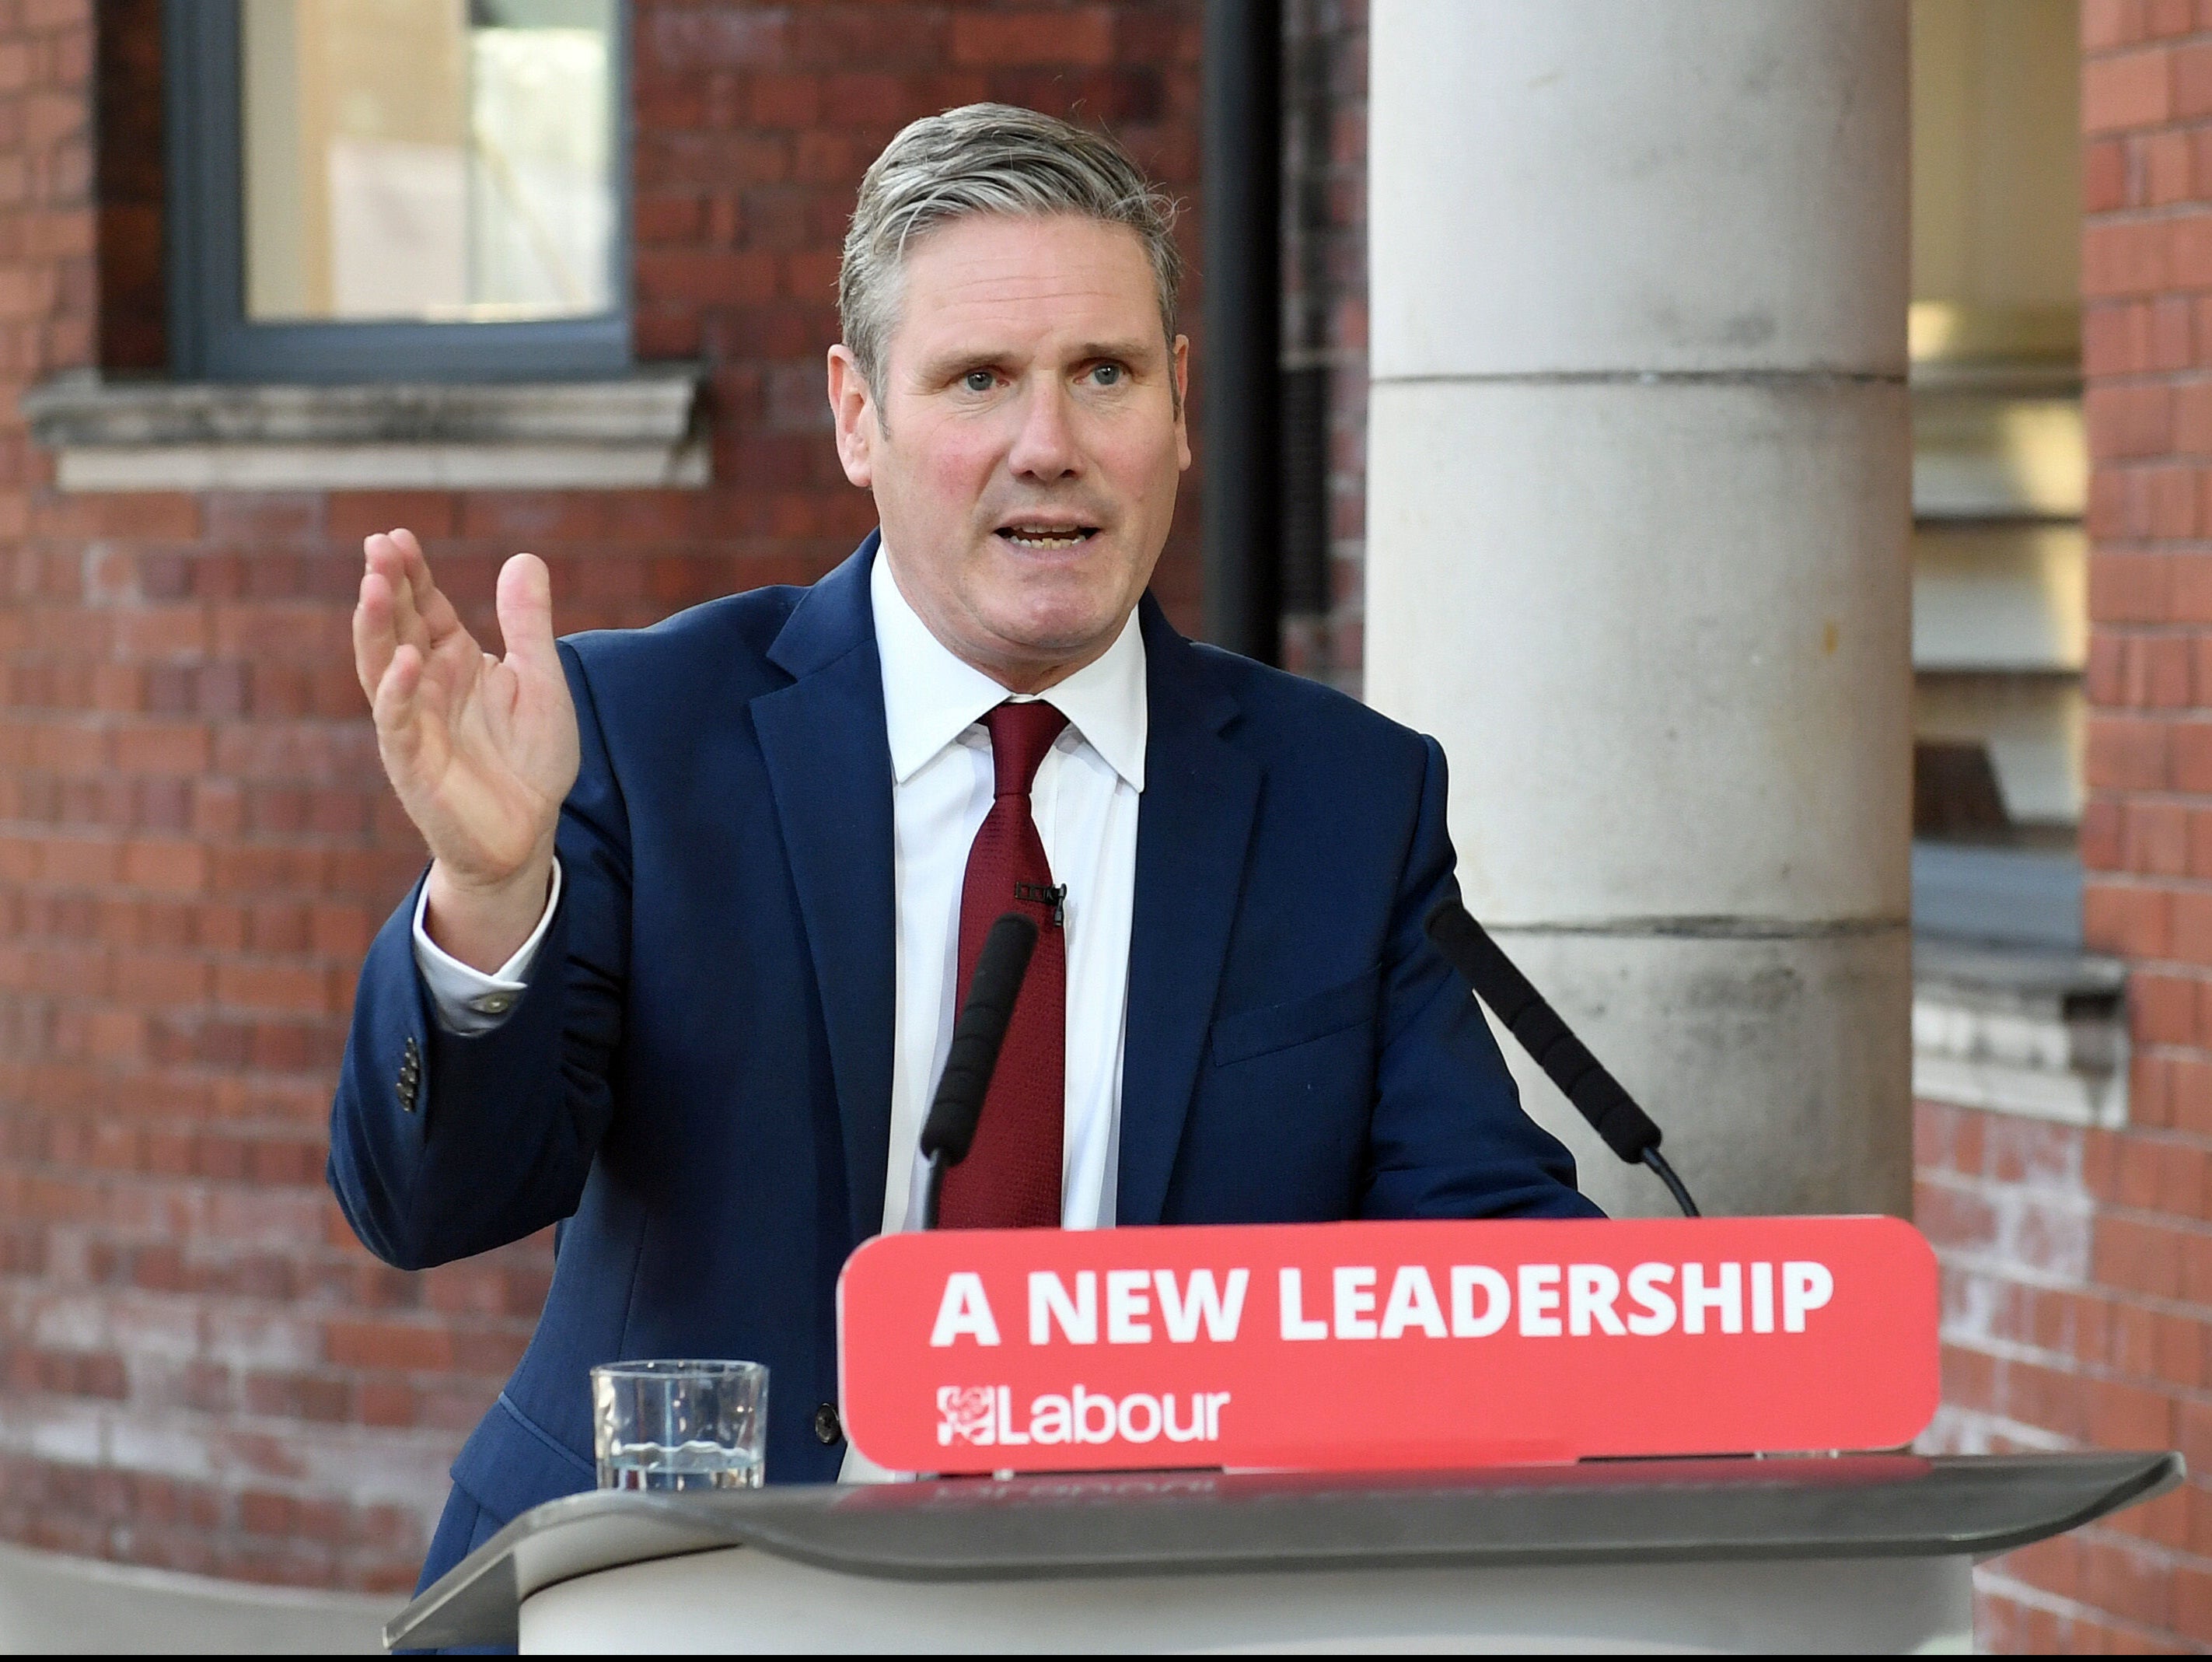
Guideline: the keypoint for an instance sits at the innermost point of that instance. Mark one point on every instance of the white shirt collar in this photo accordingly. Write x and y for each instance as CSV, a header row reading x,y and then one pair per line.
x,y
931,697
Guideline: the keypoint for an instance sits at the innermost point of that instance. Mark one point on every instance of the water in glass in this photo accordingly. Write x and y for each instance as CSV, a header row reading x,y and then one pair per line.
x,y
679,1425
686,1465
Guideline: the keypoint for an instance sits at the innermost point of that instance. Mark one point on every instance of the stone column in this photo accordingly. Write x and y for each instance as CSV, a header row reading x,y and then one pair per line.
x,y
1638,497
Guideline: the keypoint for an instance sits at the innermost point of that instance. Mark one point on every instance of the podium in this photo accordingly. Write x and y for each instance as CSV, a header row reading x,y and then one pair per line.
x,y
1856,1552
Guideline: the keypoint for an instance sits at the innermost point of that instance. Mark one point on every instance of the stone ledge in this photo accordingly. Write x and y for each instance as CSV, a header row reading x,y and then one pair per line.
x,y
642,430
50,1603
2021,1032
1998,438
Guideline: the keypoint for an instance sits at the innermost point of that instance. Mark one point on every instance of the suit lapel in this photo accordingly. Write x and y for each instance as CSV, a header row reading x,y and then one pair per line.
x,y
829,765
1201,796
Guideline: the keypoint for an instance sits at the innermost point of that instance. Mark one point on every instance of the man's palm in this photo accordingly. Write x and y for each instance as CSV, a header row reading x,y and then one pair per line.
x,y
480,750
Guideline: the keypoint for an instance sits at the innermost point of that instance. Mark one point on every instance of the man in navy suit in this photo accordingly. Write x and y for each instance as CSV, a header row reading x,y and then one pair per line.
x,y
703,897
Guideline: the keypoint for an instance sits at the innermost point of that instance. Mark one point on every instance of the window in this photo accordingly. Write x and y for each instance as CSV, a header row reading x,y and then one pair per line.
x,y
2000,472
380,190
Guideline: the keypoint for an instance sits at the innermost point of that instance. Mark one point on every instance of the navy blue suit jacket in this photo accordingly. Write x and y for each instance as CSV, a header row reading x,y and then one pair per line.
x,y
699,1078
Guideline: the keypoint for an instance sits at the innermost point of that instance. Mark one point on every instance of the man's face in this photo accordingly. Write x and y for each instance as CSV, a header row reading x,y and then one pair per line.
x,y
1024,445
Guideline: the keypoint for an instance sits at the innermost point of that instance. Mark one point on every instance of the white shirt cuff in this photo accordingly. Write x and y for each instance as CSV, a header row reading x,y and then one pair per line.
x,y
468,1002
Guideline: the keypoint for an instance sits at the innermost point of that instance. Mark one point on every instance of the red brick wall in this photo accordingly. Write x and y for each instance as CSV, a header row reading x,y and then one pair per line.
x,y
198,1367
2074,1316
2078,1304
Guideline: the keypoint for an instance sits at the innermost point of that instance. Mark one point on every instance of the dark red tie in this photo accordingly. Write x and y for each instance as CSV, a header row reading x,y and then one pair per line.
x,y
1010,1178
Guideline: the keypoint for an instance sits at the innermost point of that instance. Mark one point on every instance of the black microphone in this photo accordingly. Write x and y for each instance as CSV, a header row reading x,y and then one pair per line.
x,y
1612,1112
949,1130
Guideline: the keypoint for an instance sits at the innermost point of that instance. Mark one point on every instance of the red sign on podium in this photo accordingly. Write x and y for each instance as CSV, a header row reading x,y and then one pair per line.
x,y
1376,1345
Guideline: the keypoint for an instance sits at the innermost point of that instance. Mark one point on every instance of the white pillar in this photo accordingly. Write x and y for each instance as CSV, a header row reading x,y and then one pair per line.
x,y
1637,503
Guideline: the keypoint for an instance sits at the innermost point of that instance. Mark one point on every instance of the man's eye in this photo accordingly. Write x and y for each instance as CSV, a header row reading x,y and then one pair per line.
x,y
1108,374
977,381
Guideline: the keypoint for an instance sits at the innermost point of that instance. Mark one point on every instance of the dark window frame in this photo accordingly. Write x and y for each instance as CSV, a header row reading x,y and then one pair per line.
x,y
210,337
2029,898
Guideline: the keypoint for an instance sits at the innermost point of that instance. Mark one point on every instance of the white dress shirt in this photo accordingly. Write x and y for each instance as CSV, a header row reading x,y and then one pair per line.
x,y
1084,801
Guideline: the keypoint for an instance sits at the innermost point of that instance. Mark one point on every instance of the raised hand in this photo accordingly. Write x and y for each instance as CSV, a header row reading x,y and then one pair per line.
x,y
481,750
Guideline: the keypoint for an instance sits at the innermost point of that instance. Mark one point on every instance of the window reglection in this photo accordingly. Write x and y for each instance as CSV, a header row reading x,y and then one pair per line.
x,y
428,160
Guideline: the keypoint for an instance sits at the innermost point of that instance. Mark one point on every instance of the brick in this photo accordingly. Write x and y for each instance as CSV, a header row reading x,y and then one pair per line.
x,y
2188,250
2138,1256
388,1345
2192,1601
2192,925
2126,919
2161,1523
675,219
2162,672
2124,1579
2103,175
352,515
2102,835
2150,1092
2162,1008
2128,753
2109,23
179,868
2191,750
2173,332
2117,338
2190,588
2165,161
2189,1081
2157,839
2134,421
1958,1218
2129,588
1084,35
2191,71
2190,410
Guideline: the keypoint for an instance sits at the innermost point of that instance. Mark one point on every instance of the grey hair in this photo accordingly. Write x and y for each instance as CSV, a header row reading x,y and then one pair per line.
x,y
989,159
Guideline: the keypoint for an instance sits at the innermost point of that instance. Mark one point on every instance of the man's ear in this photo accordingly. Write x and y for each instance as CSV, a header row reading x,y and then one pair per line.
x,y
1182,400
854,407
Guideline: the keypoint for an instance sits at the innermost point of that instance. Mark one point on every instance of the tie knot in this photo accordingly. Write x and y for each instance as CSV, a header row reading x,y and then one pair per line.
x,y
1020,735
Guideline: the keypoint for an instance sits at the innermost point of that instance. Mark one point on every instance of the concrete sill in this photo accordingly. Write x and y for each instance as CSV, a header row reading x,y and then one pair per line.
x,y
2020,1031
642,431
51,1604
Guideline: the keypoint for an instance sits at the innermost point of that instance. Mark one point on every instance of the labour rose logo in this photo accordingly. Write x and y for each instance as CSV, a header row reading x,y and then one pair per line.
x,y
967,1412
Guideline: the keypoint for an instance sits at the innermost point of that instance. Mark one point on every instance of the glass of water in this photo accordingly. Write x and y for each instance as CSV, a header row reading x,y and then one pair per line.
x,y
679,1425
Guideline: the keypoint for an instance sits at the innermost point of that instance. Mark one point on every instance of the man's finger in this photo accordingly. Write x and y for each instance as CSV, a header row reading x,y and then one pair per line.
x,y
526,617
387,560
436,611
395,706
374,638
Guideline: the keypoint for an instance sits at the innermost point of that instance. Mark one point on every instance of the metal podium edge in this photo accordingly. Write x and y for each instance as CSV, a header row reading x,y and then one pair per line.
x,y
1172,1522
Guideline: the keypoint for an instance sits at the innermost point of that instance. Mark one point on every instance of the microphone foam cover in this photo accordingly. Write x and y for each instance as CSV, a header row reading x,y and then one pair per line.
x,y
1001,968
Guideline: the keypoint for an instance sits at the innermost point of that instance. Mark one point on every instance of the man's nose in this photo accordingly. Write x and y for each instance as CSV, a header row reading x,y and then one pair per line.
x,y
1045,449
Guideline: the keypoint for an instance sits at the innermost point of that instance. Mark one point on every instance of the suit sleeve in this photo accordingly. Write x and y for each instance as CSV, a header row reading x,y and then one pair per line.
x,y
443,1144
1449,1138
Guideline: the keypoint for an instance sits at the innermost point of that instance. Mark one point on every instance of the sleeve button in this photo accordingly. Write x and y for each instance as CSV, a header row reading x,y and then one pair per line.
x,y
827,1428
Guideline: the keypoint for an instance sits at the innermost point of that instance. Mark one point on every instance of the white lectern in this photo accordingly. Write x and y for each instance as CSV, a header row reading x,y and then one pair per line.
x,y
1856,1553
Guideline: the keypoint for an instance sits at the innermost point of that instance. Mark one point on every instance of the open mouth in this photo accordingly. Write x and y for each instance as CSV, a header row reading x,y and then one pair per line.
x,y
1050,539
